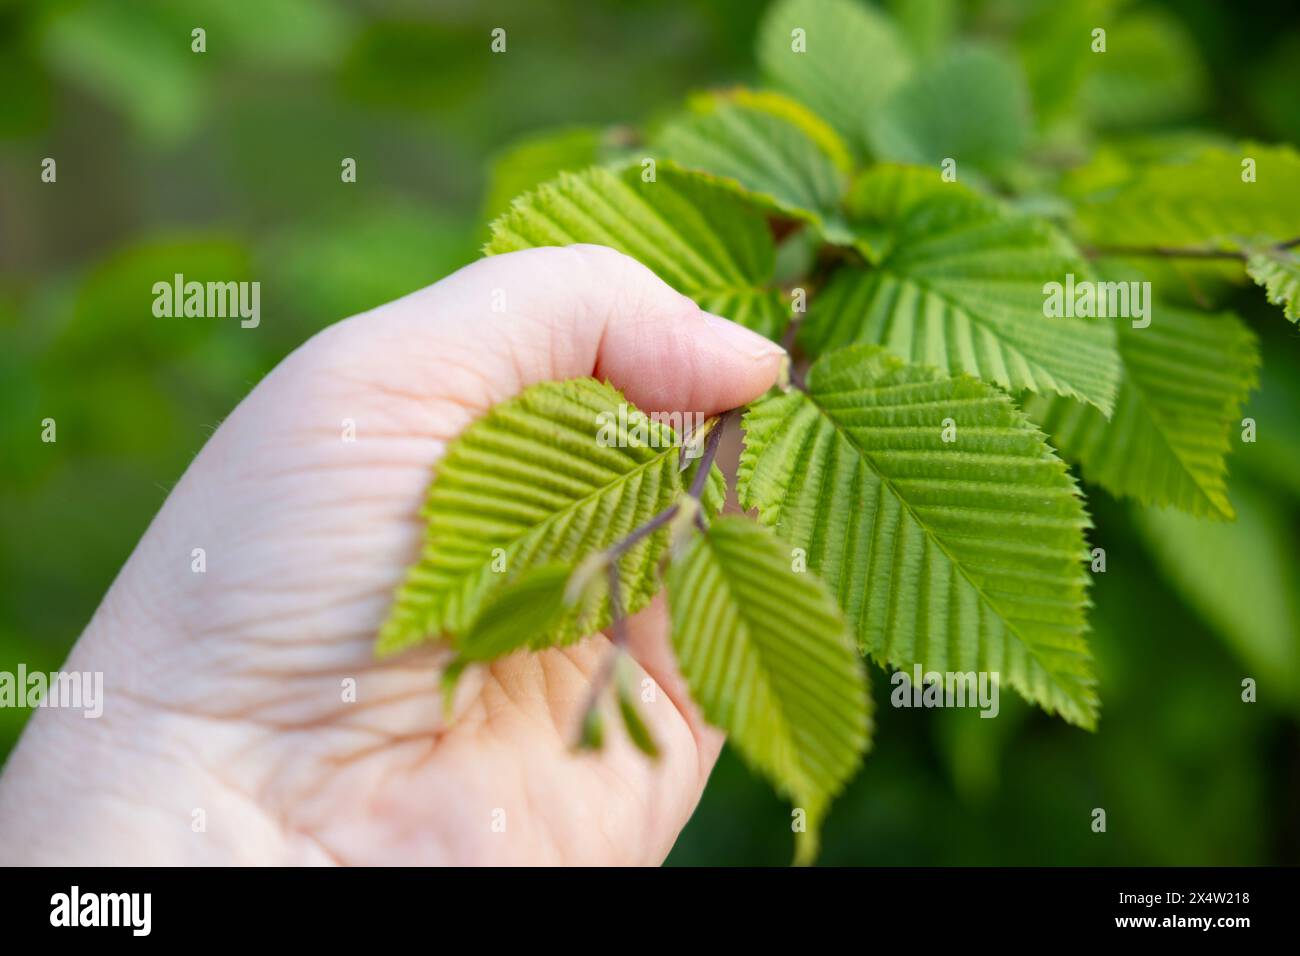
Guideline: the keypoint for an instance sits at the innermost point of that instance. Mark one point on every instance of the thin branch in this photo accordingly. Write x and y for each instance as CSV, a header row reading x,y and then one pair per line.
x,y
796,377
711,444
618,623
1283,246
1176,252
714,438
618,548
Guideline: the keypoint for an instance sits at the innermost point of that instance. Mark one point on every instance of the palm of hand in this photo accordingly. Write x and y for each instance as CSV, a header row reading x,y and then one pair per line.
x,y
254,683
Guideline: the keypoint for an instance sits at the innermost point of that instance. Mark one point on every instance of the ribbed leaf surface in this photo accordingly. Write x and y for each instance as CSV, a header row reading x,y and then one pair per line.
x,y
765,152
960,556
694,230
961,289
1278,271
1184,381
530,484
766,656
883,194
790,109
537,158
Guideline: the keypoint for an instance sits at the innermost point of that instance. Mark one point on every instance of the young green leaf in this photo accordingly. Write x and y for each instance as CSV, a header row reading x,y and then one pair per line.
x,y
838,57
1278,271
961,289
884,194
521,613
765,655
971,106
1184,380
550,476
950,533
766,152
636,728
592,735
694,230
524,612
791,110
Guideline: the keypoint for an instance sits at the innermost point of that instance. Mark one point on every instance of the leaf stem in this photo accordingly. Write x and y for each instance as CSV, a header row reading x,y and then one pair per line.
x,y
625,544
711,444
618,623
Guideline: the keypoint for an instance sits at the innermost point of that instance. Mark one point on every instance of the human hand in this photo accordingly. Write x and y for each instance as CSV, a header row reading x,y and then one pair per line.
x,y
224,690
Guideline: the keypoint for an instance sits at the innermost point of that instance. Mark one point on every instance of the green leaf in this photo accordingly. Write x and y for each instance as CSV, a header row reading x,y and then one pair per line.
x,y
884,193
961,555
853,60
961,289
637,731
790,109
694,230
539,157
765,655
1195,200
1278,271
592,736
767,152
521,613
550,476
971,106
527,611
1240,576
882,196
1184,380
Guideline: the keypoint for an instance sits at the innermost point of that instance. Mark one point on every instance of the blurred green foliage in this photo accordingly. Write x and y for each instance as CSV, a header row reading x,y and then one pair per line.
x,y
227,166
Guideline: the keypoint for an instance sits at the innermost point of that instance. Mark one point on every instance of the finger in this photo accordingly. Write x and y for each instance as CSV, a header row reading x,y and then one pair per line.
x,y
495,327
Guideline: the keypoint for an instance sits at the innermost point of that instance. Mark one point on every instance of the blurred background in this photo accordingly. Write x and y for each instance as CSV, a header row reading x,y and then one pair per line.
x,y
227,165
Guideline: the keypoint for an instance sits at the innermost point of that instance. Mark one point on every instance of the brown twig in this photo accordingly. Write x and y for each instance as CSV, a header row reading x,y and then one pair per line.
x,y
618,623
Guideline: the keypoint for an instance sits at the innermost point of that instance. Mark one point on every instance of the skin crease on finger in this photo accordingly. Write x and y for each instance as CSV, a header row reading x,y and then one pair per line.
x,y
223,688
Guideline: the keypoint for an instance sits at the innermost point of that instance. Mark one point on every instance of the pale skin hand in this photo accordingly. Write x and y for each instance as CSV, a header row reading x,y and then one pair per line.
x,y
223,691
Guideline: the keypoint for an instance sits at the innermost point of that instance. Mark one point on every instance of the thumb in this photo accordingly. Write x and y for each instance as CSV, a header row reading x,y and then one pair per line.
x,y
503,323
